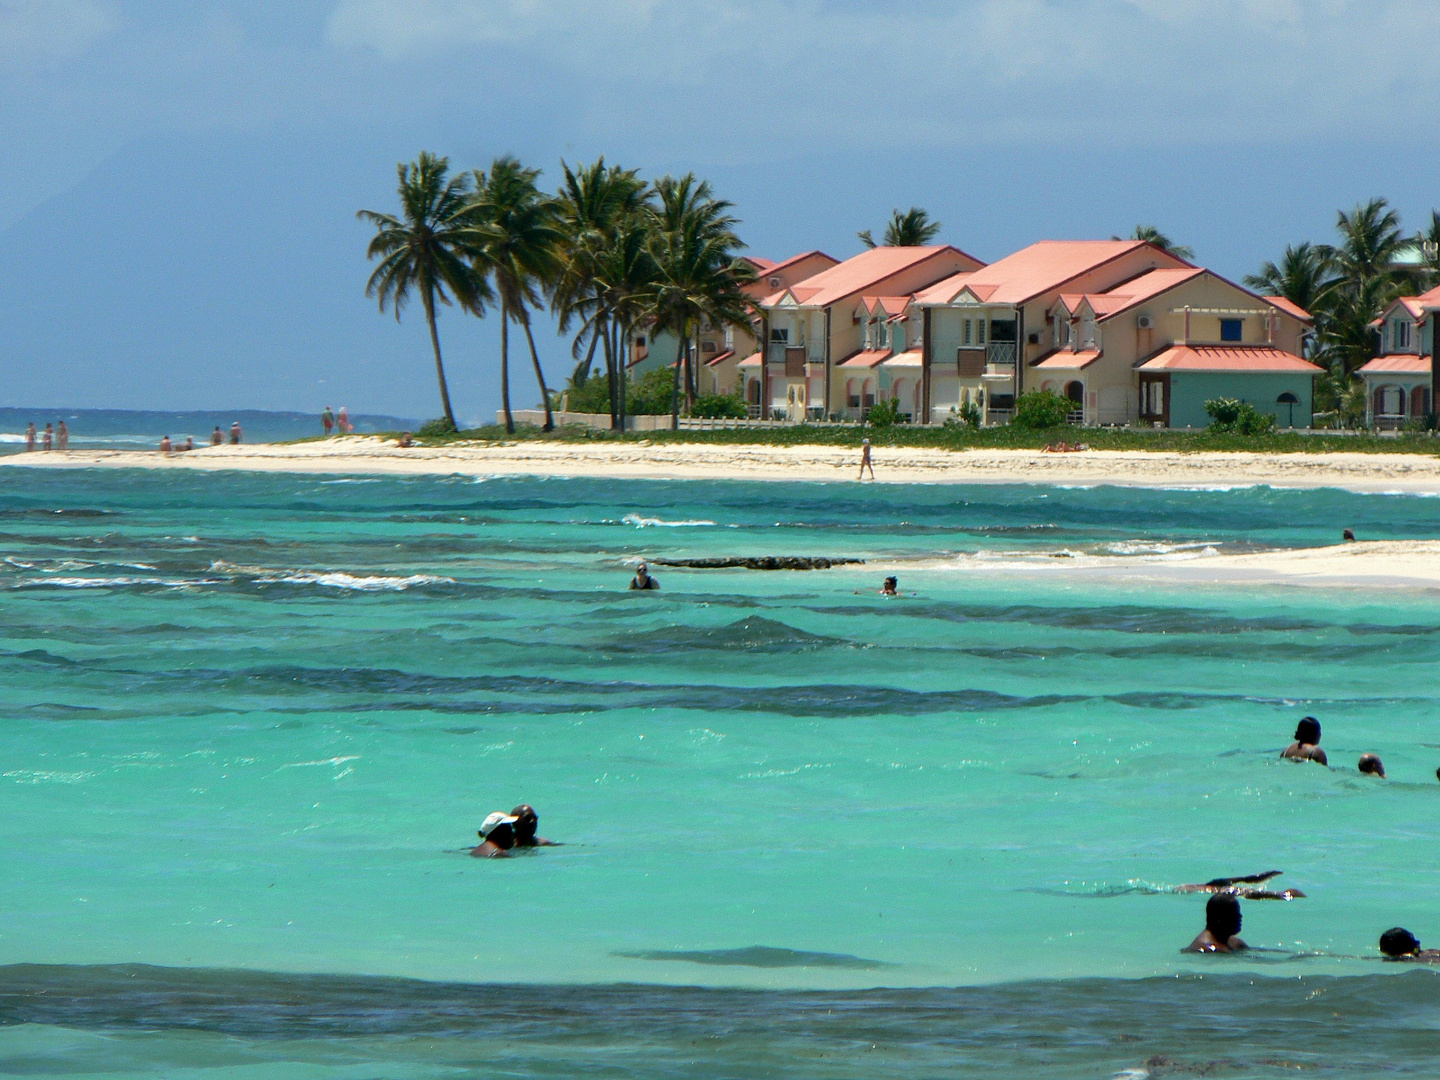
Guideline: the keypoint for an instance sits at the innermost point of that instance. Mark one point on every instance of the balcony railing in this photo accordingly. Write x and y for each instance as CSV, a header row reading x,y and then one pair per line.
x,y
1000,352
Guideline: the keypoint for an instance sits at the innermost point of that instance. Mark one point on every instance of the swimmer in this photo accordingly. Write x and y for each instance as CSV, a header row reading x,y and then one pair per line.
x,y
1243,887
1222,925
1397,943
1306,746
497,837
1348,534
891,587
1371,765
642,579
526,822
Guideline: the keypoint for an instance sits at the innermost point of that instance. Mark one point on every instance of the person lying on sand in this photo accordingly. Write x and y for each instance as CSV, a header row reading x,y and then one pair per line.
x,y
1397,943
497,837
1063,447
1371,765
1222,927
1243,887
526,823
642,579
1306,746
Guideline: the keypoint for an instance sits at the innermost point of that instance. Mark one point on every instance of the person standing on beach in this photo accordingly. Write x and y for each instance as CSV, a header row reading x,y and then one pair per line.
x,y
216,436
865,462
344,422
62,436
30,438
48,441
327,420
235,433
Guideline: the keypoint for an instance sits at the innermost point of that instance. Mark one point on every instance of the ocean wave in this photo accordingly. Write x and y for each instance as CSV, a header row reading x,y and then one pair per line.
x,y
114,583
337,579
649,522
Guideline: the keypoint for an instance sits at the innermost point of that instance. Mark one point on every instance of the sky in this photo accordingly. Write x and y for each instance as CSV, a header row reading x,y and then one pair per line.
x,y
179,179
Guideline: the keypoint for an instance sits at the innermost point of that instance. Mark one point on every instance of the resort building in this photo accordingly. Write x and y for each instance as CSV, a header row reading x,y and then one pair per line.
x,y
837,341
1400,380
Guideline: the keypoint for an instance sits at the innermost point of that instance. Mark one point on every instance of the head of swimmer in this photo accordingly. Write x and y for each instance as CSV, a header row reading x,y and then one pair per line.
x,y
891,585
1397,941
526,824
501,835
1307,732
1222,917
1371,765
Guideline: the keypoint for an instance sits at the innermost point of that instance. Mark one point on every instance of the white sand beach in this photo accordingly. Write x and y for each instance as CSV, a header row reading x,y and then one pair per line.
x,y
1416,473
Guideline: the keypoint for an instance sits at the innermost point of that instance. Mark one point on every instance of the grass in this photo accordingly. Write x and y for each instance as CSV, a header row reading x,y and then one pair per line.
x,y
1008,438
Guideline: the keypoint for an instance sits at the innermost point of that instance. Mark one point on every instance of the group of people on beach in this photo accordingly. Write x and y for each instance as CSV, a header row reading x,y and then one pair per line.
x,y
217,438
54,437
501,833
337,425
1222,910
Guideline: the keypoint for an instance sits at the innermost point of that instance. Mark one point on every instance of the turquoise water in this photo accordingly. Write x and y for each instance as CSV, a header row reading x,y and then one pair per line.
x,y
253,722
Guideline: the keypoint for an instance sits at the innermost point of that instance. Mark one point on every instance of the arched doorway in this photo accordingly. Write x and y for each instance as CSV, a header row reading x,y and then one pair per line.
x,y
1289,400
1075,391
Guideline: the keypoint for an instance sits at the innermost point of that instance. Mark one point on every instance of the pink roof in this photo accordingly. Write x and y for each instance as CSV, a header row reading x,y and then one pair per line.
x,y
908,358
718,359
1137,290
1257,359
1068,361
753,360
1430,299
759,263
891,305
863,272
1399,364
1041,268
1412,304
1289,307
865,358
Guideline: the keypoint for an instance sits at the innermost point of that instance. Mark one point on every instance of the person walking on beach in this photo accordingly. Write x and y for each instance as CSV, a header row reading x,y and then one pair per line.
x,y
47,442
1306,746
235,433
327,420
30,438
62,436
865,462
1222,927
217,437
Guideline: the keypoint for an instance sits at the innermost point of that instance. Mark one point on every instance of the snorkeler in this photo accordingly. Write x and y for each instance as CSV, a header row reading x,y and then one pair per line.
x,y
1222,927
1397,943
497,836
1371,765
1306,746
642,579
526,822
1243,887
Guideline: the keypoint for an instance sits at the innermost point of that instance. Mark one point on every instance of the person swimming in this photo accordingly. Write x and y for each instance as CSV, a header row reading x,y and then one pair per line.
x,y
1243,887
1371,765
1222,927
1397,943
891,587
642,579
497,836
1306,746
526,823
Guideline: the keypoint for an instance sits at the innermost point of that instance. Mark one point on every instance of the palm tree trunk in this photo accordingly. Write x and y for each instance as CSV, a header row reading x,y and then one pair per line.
x,y
692,383
675,382
621,334
539,375
610,382
589,357
505,367
439,364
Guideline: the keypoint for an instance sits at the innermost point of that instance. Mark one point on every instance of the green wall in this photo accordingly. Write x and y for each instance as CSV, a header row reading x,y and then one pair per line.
x,y
1189,390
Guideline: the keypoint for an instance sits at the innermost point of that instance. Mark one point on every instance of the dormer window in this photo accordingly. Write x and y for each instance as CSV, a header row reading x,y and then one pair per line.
x,y
1399,334
1062,331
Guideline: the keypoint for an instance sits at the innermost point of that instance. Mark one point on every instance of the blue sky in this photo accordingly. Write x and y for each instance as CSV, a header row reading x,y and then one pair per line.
x,y
178,180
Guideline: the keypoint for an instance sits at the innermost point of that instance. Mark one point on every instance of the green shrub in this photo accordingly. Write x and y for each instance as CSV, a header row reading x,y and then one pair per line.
x,y
591,396
436,428
1232,416
1041,409
720,407
885,413
650,396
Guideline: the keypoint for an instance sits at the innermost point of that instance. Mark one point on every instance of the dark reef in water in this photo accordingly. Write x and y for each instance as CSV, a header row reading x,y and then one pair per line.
x,y
759,562
759,956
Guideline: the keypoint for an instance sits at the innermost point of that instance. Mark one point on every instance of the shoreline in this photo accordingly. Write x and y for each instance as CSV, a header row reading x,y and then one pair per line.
x,y
1349,471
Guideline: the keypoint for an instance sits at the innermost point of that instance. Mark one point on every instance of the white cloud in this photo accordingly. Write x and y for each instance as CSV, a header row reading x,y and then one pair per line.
x,y
40,31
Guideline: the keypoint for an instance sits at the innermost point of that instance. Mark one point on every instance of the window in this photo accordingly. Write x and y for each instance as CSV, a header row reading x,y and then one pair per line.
x,y
1232,329
1399,334
980,331
967,331
1062,332
640,341
779,336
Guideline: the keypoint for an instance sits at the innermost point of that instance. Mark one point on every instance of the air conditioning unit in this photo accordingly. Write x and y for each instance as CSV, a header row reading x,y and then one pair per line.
x,y
1144,322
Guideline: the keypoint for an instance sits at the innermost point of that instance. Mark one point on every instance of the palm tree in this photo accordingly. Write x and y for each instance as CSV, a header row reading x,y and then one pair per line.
x,y
910,229
1303,277
1370,240
1428,244
515,238
1151,235
425,250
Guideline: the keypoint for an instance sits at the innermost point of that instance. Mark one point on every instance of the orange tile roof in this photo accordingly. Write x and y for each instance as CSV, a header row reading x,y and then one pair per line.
x,y
1147,286
908,358
723,356
1399,364
1067,361
860,274
1289,307
1411,304
1256,359
1041,268
760,264
1430,299
891,305
753,360
865,358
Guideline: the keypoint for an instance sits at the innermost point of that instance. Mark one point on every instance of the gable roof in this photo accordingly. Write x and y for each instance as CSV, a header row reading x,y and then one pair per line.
x,y
1137,290
1252,359
861,274
1040,268
1289,307
1397,363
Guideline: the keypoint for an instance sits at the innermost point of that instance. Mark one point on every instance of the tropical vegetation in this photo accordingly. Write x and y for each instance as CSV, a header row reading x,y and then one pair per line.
x,y
914,228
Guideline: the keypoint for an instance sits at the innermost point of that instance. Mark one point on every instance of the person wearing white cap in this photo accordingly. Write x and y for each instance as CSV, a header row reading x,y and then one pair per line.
x,y
497,836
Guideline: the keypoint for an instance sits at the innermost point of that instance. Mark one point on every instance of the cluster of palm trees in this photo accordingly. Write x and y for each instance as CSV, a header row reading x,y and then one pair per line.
x,y
1347,285
608,252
